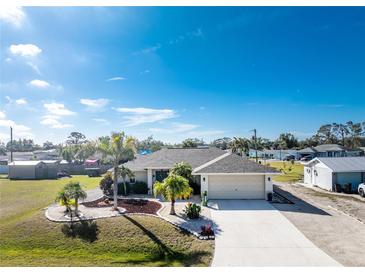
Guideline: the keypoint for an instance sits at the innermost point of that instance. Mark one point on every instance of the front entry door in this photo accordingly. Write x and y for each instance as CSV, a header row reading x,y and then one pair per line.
x,y
161,175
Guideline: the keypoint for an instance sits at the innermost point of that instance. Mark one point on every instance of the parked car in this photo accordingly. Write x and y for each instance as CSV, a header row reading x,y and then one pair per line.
x,y
289,158
361,189
61,174
307,158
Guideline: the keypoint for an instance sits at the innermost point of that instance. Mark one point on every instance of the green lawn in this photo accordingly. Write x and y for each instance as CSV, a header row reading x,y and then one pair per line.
x,y
291,173
29,239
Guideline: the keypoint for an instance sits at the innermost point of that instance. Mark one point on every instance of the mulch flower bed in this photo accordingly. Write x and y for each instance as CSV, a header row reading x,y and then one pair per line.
x,y
131,205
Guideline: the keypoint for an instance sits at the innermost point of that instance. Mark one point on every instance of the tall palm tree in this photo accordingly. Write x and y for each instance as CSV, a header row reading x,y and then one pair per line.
x,y
118,147
173,187
124,172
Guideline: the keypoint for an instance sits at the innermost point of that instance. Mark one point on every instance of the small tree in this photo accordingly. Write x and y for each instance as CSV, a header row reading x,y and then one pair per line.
x,y
173,187
75,191
182,169
64,199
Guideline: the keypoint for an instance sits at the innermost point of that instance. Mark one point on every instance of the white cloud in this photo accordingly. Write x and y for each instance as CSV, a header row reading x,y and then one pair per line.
x,y
20,131
34,67
137,116
101,121
39,84
144,72
58,109
21,101
25,50
94,104
52,122
12,15
175,128
148,50
118,78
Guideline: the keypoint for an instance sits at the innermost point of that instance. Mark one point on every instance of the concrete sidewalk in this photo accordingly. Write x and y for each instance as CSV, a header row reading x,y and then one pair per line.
x,y
253,233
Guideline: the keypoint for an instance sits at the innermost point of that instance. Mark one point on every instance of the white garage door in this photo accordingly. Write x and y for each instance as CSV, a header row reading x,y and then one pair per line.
x,y
236,187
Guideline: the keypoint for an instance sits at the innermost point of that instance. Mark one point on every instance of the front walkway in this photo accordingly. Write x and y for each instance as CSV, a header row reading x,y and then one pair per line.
x,y
253,233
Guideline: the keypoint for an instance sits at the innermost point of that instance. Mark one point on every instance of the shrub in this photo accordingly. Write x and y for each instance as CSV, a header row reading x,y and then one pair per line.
x,y
192,210
139,188
121,189
106,184
206,230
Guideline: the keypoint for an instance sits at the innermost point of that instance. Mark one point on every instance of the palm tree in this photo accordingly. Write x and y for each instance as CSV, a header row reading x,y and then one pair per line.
x,y
64,199
124,172
118,147
173,187
240,145
75,191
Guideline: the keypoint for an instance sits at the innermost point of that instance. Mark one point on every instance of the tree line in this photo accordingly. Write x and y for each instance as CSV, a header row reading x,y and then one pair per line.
x,y
77,148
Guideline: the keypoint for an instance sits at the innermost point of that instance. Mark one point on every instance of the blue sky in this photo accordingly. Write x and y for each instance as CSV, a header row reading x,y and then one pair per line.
x,y
180,72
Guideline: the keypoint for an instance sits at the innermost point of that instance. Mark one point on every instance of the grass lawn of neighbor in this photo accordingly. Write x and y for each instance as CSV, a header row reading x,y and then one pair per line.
x,y
291,172
27,238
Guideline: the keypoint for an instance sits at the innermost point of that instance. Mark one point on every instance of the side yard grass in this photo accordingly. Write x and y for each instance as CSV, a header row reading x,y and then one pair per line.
x,y
29,239
20,198
291,172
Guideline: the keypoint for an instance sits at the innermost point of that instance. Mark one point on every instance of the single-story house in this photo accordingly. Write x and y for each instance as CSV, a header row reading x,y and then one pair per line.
x,y
221,174
46,169
326,150
328,171
278,154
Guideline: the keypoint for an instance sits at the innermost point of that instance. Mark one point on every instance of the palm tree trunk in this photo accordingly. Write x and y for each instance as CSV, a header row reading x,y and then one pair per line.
x,y
172,210
125,186
76,206
115,187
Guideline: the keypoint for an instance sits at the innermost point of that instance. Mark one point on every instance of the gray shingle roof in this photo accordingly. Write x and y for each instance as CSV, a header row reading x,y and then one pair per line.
x,y
307,150
329,147
344,164
236,164
168,157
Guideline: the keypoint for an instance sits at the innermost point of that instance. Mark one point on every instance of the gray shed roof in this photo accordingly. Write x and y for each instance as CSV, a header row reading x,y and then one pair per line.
x,y
236,164
343,164
168,157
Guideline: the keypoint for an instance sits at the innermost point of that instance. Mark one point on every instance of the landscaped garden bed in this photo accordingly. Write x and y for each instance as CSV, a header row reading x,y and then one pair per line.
x,y
131,205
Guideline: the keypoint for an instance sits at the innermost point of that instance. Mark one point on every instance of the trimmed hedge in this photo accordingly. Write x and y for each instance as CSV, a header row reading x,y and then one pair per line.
x,y
139,188
121,189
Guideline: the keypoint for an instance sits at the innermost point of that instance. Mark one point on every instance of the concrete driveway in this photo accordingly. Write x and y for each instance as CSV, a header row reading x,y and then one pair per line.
x,y
253,233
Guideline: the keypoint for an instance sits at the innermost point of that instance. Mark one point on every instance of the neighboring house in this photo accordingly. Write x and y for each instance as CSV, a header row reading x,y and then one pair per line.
x,y
326,150
222,174
50,154
274,153
46,169
329,171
